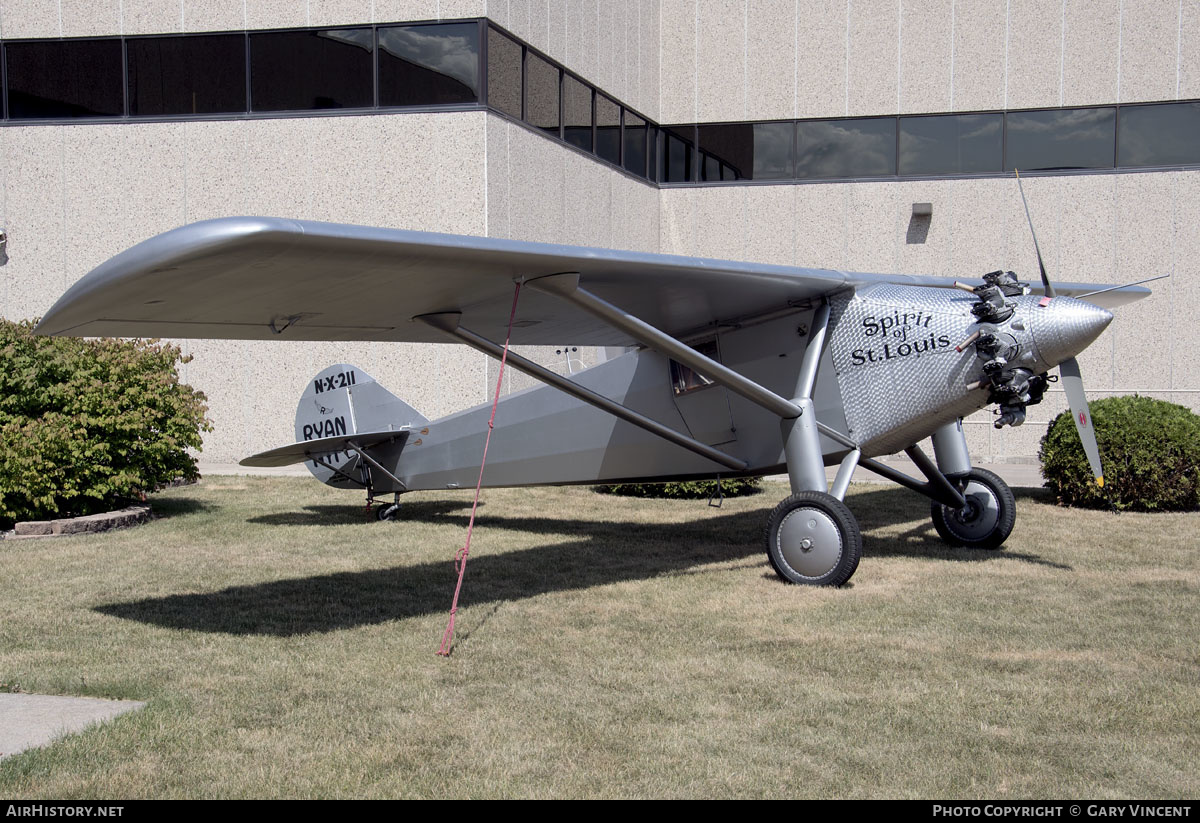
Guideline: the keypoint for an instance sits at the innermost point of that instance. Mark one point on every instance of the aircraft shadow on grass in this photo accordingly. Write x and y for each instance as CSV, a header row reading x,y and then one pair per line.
x,y
594,553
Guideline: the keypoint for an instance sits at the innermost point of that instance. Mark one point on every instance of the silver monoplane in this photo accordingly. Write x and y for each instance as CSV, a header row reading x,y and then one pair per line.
x,y
731,369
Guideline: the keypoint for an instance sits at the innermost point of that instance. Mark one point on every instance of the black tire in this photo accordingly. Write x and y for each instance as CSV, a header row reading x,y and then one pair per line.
x,y
387,511
834,541
988,518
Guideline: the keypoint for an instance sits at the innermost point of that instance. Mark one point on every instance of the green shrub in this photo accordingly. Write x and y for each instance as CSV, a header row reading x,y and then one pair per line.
x,y
687,489
1150,451
89,425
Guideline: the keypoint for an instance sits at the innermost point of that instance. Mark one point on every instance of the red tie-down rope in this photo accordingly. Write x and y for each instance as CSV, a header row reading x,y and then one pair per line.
x,y
460,557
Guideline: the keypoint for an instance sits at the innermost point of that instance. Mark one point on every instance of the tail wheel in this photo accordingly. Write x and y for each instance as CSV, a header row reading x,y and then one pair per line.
x,y
387,511
813,539
988,518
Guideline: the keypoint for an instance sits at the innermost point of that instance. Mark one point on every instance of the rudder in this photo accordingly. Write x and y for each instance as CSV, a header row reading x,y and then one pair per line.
x,y
345,400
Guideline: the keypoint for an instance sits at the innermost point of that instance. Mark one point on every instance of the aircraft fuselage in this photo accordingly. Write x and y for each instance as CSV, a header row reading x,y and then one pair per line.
x,y
890,375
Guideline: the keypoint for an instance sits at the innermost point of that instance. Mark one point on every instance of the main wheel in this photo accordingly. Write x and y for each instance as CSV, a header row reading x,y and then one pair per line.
x,y
812,538
988,518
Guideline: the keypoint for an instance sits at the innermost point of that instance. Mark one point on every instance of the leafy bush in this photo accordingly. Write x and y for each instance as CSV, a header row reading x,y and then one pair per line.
x,y
687,489
1150,450
88,425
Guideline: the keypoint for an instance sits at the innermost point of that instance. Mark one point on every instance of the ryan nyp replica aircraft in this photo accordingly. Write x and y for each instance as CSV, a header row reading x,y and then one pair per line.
x,y
736,368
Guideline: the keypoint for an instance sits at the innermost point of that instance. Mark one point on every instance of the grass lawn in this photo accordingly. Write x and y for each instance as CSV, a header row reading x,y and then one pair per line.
x,y
607,647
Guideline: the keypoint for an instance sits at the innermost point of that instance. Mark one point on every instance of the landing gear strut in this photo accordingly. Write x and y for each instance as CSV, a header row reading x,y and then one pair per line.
x,y
812,538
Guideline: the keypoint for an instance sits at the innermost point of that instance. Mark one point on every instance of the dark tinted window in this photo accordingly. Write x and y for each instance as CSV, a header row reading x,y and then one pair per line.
x,y
577,113
675,154
773,152
65,78
541,93
1061,139
953,143
726,146
714,168
751,151
504,73
635,144
428,65
846,148
187,75
652,151
608,129
1160,135
330,69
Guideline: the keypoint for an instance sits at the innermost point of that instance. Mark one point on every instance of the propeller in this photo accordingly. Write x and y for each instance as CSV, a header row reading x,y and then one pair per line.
x,y
1072,380
1047,287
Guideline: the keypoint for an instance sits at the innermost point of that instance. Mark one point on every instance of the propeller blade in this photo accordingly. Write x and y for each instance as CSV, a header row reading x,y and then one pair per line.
x,y
1073,384
1049,290
1122,286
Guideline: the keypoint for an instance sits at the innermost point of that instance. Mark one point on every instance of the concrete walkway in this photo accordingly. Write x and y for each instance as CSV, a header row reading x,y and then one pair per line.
x,y
31,720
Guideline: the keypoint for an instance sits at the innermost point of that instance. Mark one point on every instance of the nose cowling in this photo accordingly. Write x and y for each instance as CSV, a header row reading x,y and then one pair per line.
x,y
1064,327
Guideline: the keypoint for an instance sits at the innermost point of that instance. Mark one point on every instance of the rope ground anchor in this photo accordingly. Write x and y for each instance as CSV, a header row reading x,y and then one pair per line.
x,y
460,556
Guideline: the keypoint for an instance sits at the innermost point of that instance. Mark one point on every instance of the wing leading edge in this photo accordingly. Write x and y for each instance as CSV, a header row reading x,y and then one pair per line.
x,y
254,278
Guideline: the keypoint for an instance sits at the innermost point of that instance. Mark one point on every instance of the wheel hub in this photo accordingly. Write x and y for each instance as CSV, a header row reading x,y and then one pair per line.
x,y
968,513
979,516
810,542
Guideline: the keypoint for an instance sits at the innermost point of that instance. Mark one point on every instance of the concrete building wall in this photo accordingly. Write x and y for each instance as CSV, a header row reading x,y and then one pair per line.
x,y
72,196
740,60
543,191
76,195
612,43
731,60
1106,228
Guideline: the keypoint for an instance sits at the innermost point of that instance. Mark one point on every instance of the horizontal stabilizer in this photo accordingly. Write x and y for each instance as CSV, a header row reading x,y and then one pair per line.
x,y
306,449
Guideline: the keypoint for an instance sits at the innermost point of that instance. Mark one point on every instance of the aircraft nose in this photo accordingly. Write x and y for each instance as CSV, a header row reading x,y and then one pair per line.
x,y
1065,327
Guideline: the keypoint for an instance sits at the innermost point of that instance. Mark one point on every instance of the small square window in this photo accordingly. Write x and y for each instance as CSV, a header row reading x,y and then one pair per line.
x,y
685,379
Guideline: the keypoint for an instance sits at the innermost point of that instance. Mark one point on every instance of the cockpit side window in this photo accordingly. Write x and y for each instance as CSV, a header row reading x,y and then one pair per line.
x,y
685,379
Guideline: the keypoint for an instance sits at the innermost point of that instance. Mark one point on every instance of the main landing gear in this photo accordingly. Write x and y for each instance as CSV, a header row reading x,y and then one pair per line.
x,y
985,521
813,539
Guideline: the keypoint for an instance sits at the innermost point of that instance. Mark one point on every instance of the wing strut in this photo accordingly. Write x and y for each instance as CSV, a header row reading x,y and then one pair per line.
x,y
448,322
566,286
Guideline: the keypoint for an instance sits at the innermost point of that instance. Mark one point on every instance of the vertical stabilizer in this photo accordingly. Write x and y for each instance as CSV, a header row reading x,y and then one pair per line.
x,y
344,400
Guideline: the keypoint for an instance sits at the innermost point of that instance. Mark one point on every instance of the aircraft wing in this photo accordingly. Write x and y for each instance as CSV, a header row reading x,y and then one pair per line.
x,y
254,278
